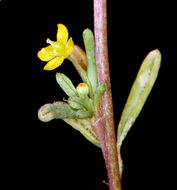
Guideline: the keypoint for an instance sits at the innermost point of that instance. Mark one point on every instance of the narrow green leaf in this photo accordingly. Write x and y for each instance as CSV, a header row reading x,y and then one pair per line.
x,y
75,105
80,120
90,52
66,84
84,127
61,110
98,94
83,101
139,92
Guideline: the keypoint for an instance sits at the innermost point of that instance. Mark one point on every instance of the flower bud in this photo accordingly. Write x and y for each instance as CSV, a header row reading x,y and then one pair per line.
x,y
82,89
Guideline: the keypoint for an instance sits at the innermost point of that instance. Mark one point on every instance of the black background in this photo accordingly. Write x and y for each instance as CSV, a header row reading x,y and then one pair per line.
x,y
55,156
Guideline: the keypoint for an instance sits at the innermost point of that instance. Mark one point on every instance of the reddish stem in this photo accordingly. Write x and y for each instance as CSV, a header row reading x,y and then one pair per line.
x,y
104,126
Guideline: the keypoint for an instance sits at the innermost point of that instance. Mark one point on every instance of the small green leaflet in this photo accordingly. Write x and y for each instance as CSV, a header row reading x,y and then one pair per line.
x,y
66,84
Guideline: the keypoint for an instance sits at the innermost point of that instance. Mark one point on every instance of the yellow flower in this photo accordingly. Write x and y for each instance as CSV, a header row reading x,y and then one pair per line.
x,y
57,51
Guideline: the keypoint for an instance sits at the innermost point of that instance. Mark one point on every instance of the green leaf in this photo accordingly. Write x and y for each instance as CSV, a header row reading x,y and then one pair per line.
x,y
80,120
66,84
61,110
83,101
139,92
84,127
98,94
75,105
90,52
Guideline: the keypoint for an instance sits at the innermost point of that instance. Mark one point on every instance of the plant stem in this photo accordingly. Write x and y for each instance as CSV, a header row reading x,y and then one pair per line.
x,y
105,128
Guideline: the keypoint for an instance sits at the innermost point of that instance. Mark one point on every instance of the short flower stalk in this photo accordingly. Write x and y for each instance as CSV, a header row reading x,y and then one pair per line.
x,y
89,106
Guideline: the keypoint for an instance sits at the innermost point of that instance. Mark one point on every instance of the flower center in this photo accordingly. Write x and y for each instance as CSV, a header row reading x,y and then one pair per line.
x,y
59,47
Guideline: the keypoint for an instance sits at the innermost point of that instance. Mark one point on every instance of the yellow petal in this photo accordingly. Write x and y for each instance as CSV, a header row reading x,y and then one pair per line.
x,y
69,47
47,53
62,33
54,63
